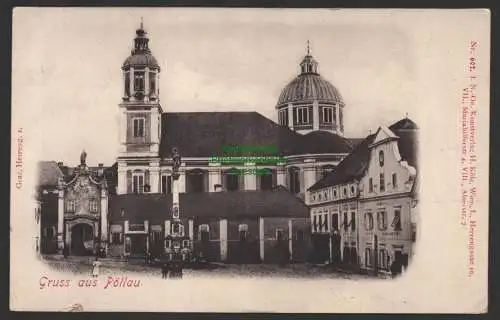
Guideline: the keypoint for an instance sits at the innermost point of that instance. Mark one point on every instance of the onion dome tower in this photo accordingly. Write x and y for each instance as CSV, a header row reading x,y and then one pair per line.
x,y
311,103
141,71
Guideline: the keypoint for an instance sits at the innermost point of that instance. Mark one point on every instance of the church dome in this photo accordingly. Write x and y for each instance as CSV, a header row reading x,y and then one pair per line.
x,y
141,60
309,86
141,55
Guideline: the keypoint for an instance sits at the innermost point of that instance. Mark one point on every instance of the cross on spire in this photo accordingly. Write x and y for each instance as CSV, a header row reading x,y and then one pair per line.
x,y
142,27
308,47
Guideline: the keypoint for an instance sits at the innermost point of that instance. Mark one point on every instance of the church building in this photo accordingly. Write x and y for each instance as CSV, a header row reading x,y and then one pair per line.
x,y
126,207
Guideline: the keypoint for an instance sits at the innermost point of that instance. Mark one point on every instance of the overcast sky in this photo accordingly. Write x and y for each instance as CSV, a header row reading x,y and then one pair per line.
x,y
67,75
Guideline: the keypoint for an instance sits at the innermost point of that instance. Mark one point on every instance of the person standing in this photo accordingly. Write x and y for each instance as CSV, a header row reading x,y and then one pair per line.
x,y
95,267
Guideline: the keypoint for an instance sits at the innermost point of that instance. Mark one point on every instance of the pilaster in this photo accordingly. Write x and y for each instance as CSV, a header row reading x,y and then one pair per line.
x,y
214,176
261,238
290,115
290,239
104,216
122,178
154,177
250,180
315,115
60,219
223,239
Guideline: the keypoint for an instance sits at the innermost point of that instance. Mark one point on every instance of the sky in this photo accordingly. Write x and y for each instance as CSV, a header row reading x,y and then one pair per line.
x,y
68,81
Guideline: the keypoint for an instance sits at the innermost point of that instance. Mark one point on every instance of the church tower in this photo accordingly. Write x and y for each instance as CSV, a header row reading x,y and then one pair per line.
x,y
140,119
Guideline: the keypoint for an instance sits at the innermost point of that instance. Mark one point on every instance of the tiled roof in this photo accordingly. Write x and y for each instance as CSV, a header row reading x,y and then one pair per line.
x,y
276,203
48,173
203,134
353,166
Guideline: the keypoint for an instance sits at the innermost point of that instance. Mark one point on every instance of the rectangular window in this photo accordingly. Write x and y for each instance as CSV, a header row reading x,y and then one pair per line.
x,y
299,235
345,223
204,234
369,220
353,221
138,183
396,222
382,182
394,181
335,221
382,220
325,221
370,185
166,184
301,115
116,238
327,115
94,206
138,127
70,206
368,257
138,81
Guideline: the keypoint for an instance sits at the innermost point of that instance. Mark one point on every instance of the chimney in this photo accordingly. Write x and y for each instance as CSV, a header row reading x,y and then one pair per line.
x,y
100,170
218,188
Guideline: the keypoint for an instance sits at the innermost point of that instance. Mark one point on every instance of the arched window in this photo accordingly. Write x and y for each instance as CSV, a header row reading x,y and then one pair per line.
x,y
204,233
243,232
267,181
232,180
196,181
294,179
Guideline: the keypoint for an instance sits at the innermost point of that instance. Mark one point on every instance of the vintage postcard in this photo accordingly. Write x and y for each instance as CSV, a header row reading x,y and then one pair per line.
x,y
250,160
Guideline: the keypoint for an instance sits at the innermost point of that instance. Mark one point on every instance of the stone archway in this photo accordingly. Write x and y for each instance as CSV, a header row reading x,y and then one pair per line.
x,y
82,235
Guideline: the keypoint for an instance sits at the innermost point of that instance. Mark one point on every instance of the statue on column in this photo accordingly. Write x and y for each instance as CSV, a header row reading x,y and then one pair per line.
x,y
176,158
83,158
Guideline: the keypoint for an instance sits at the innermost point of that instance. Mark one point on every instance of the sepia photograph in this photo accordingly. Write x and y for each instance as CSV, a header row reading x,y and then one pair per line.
x,y
243,151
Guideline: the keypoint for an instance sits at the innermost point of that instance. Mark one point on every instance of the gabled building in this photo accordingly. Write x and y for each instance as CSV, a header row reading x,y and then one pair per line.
x,y
365,210
389,197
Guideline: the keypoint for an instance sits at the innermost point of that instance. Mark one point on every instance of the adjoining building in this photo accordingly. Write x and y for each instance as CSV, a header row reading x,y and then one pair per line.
x,y
371,200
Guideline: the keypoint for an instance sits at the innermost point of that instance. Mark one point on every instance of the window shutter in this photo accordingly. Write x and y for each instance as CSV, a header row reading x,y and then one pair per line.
x,y
258,180
167,228
275,178
129,181
241,182
146,177
205,181
147,128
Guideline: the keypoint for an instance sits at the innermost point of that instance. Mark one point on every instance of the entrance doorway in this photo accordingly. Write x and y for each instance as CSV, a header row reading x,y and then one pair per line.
x,y
82,239
138,245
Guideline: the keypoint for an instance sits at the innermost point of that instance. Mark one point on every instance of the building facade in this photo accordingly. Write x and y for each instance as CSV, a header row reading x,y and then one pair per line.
x,y
371,201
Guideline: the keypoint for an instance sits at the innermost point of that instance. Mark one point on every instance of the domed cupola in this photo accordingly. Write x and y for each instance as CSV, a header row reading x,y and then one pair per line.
x,y
141,71
309,102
